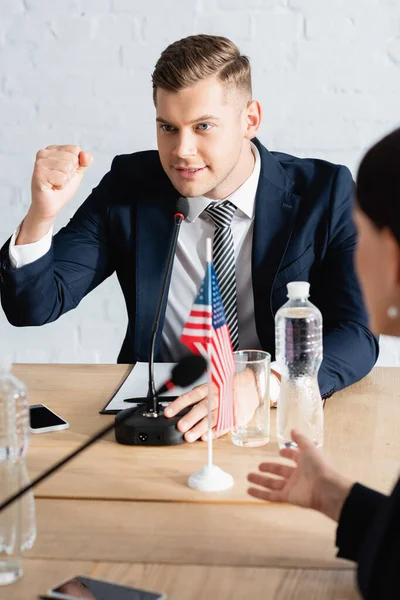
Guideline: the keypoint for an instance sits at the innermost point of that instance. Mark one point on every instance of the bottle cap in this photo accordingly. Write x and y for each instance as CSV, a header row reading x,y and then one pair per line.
x,y
298,290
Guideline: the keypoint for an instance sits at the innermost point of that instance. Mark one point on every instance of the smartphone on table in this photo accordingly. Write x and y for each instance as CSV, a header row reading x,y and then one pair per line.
x,y
42,419
87,588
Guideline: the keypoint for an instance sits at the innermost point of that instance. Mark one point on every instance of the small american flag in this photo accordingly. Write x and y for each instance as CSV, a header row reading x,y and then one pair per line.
x,y
207,323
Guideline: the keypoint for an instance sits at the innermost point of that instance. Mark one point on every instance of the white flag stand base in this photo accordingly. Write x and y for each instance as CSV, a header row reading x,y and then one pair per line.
x,y
210,479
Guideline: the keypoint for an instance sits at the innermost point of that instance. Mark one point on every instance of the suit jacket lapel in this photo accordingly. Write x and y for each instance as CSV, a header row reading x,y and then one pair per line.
x,y
275,212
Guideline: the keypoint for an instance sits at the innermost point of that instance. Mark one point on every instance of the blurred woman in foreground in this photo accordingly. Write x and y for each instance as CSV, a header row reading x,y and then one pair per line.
x,y
368,522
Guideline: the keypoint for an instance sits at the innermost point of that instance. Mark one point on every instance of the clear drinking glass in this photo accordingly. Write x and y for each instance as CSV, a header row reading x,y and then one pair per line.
x,y
251,398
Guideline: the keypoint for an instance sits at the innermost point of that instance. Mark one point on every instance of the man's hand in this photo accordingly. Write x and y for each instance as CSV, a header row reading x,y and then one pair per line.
x,y
195,422
56,177
311,483
274,387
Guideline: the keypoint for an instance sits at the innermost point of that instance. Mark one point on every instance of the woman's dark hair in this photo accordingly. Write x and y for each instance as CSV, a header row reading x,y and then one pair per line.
x,y
378,184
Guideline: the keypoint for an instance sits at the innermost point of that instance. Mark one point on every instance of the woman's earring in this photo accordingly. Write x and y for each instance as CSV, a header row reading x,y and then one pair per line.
x,y
393,312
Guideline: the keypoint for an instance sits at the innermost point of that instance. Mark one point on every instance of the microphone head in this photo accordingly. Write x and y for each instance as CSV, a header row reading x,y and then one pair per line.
x,y
188,370
182,206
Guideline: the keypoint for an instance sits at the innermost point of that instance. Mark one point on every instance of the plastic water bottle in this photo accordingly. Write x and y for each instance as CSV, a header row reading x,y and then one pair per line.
x,y
298,341
17,522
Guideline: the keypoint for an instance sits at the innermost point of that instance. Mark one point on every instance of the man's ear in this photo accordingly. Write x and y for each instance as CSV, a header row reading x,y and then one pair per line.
x,y
253,116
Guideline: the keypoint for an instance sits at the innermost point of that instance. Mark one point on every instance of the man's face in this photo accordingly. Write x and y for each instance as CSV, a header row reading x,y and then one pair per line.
x,y
202,132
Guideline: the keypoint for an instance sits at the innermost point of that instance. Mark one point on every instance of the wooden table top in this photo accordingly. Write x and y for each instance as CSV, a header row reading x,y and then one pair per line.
x,y
192,582
131,505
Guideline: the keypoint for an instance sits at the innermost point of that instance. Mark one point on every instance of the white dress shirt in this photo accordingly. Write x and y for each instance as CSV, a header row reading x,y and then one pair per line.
x,y
190,264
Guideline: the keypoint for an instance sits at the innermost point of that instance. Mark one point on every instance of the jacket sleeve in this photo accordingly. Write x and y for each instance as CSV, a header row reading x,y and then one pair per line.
x,y
350,349
369,533
358,512
79,259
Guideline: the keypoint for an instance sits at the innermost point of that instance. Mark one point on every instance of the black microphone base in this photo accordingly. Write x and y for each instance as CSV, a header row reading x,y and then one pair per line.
x,y
140,430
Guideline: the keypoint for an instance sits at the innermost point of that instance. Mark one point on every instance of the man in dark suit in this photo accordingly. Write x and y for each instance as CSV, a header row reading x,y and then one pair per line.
x,y
290,219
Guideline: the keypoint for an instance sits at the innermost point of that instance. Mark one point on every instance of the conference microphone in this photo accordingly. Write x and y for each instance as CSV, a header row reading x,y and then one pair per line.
x,y
186,372
181,212
189,369
151,402
147,423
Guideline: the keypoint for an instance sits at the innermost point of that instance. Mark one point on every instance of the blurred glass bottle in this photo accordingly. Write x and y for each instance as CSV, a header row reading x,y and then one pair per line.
x,y
17,522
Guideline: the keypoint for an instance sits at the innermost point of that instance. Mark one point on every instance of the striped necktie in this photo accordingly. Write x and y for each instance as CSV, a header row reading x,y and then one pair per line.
x,y
221,214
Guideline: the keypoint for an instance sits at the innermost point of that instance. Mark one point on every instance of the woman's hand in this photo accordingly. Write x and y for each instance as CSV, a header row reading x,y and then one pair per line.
x,y
310,483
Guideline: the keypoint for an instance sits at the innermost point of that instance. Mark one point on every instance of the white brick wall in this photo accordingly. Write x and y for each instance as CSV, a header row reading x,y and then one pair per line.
x,y
78,71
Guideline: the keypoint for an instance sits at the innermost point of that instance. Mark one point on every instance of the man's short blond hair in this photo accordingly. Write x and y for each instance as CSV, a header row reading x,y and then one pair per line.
x,y
194,58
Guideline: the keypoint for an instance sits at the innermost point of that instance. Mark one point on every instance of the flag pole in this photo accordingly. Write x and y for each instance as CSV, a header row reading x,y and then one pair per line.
x,y
210,478
209,350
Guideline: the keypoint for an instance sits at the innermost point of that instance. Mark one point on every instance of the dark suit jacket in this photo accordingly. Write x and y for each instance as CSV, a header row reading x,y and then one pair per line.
x,y
369,533
303,230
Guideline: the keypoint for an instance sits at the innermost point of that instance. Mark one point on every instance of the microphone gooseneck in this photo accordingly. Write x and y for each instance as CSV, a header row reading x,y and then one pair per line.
x,y
181,212
187,371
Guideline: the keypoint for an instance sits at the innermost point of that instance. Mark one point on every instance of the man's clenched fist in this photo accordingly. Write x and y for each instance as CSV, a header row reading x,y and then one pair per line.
x,y
56,177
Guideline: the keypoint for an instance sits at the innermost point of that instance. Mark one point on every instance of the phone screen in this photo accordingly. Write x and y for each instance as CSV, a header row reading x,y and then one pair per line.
x,y
41,416
86,588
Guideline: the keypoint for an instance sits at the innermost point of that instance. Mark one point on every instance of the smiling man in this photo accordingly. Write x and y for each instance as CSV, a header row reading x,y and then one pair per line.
x,y
274,218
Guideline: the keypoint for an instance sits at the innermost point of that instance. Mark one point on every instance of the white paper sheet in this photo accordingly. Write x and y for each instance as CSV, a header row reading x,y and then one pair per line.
x,y
136,385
